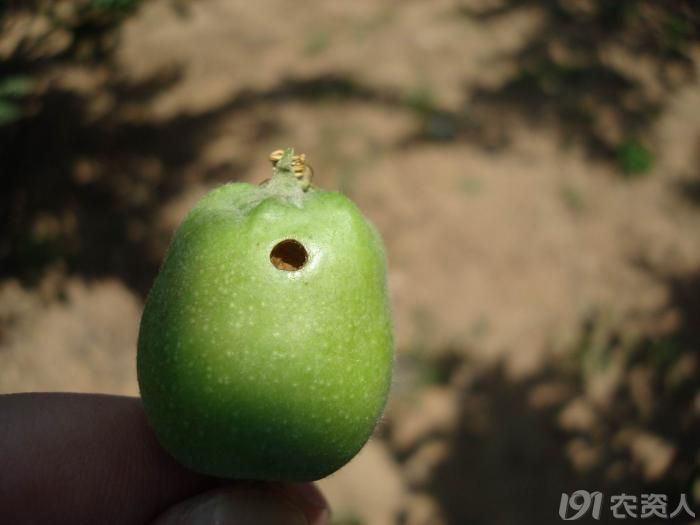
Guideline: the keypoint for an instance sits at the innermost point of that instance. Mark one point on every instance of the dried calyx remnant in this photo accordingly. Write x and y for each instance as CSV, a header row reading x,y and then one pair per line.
x,y
301,170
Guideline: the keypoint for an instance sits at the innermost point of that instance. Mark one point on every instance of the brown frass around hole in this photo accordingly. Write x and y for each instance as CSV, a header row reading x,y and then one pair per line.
x,y
288,255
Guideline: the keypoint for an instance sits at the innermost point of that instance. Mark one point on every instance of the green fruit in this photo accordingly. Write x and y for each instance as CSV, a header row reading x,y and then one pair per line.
x,y
265,349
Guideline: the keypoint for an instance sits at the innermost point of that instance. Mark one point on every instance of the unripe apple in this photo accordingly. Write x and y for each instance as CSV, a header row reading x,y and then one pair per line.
x,y
265,349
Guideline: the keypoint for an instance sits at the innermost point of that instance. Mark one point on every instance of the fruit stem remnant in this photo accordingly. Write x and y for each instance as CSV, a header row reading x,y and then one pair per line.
x,y
285,163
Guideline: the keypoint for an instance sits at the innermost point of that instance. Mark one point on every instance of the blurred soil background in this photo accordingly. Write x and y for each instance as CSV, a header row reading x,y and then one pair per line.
x,y
534,168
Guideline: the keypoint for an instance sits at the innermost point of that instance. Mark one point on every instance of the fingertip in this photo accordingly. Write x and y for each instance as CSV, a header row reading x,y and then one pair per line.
x,y
309,498
235,506
79,458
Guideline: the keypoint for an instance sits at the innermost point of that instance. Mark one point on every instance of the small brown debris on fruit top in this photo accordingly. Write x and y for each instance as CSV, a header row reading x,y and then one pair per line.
x,y
299,166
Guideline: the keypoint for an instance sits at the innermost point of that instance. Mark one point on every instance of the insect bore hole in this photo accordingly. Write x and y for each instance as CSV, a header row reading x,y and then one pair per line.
x,y
288,255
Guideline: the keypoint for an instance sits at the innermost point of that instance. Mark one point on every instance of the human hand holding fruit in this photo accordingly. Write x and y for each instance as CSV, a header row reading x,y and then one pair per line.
x,y
88,458
248,370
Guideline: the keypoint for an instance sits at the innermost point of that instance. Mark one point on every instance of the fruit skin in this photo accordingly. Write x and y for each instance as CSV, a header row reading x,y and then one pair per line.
x,y
247,371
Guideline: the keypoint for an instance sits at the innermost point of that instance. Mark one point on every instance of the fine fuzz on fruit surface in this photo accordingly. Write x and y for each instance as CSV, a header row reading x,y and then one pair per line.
x,y
265,349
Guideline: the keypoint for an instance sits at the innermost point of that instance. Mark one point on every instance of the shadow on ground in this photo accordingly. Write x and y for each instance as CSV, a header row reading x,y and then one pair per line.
x,y
598,71
618,416
86,190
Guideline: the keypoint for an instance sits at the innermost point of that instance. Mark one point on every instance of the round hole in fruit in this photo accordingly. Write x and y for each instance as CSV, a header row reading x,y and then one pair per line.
x,y
288,255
